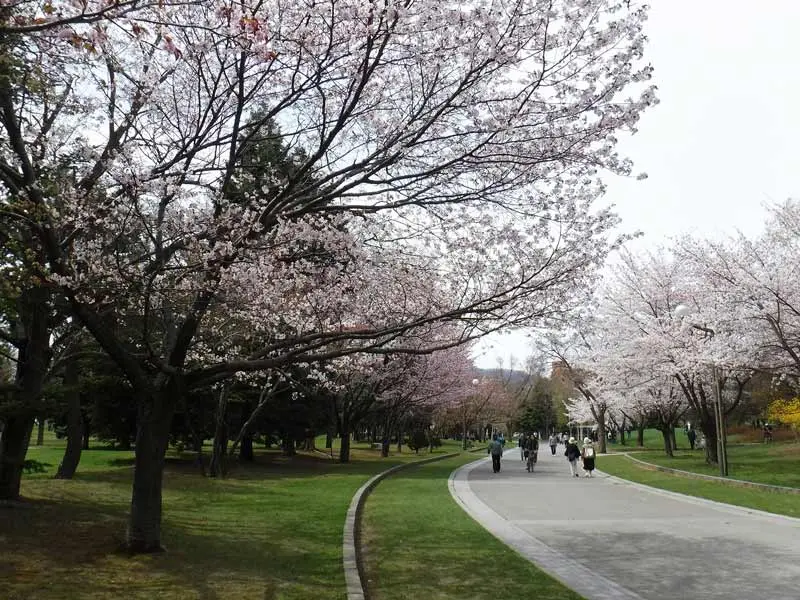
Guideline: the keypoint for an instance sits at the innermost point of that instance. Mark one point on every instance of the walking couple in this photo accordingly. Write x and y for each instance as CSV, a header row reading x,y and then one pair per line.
x,y
587,455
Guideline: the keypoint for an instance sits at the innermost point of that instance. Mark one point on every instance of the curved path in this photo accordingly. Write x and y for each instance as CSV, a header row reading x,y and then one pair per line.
x,y
609,539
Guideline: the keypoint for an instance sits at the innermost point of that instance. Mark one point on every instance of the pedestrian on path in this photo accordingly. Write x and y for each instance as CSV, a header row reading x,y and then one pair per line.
x,y
573,453
496,450
588,456
531,451
522,441
692,435
553,443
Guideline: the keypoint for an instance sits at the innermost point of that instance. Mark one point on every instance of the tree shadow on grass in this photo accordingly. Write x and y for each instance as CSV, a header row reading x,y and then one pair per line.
x,y
234,535
65,549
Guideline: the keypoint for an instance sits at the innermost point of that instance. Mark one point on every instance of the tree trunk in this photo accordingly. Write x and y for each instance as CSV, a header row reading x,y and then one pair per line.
x,y
601,430
399,442
640,434
464,440
667,441
287,444
344,448
33,358
40,432
152,439
246,450
13,447
710,434
673,439
72,454
219,450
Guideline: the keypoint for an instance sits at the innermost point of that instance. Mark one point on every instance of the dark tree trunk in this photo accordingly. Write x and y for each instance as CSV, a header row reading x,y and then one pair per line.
x,y
667,440
33,357
673,439
329,439
219,451
246,450
385,447
600,417
344,448
399,442
72,454
710,433
288,445
640,434
13,447
40,432
152,439
464,433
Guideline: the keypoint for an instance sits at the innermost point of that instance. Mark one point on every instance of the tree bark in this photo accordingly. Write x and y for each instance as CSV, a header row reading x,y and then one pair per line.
x,y
246,450
72,454
667,441
673,439
13,447
640,434
33,357
219,450
152,439
710,433
344,448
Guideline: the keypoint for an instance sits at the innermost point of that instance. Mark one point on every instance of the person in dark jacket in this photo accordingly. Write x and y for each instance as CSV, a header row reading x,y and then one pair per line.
x,y
496,450
573,453
531,451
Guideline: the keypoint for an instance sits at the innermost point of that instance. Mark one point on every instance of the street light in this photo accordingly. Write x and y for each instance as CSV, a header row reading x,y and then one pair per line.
x,y
682,311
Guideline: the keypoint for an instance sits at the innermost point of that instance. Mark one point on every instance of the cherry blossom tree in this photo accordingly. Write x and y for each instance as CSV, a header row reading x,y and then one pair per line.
x,y
448,158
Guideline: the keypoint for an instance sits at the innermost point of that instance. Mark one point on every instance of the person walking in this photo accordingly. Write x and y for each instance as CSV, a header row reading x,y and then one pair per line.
x,y
572,453
553,443
588,456
496,450
692,435
531,451
522,440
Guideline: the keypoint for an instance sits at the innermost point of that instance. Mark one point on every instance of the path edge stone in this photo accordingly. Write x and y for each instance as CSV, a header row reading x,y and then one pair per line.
x,y
724,506
352,560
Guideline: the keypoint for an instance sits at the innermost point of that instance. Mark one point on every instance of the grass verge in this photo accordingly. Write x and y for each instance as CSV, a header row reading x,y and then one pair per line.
x,y
774,464
271,530
419,543
775,502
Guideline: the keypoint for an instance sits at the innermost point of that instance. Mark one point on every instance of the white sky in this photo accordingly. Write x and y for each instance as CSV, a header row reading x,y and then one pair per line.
x,y
724,139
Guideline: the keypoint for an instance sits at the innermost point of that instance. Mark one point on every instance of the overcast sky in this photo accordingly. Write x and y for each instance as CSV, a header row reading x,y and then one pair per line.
x,y
724,139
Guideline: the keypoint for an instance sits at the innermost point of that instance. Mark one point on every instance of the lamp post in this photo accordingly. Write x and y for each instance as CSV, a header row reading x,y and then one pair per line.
x,y
475,383
682,311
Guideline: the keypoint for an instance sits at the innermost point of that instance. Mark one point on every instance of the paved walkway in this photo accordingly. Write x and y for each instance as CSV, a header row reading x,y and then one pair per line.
x,y
608,539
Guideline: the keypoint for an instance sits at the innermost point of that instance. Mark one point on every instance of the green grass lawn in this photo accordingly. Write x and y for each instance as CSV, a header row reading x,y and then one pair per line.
x,y
776,502
421,544
775,464
272,529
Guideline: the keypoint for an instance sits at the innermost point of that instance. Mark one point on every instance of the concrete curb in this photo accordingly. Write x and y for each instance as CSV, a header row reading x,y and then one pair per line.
x,y
729,508
351,555
737,482
571,573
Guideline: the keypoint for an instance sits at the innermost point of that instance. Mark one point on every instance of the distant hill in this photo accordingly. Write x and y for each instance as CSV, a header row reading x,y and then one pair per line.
x,y
504,374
